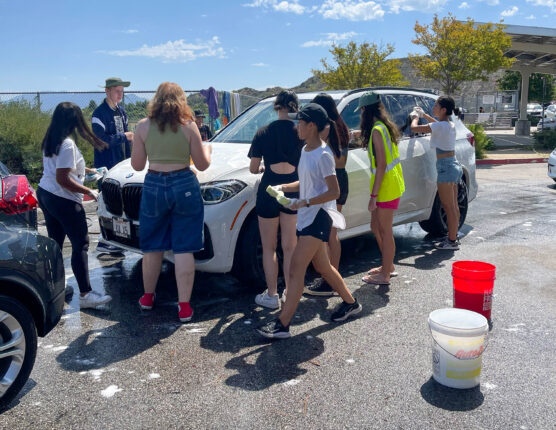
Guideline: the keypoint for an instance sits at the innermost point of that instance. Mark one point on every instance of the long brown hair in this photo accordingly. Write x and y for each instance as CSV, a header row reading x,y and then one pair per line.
x,y
67,120
329,105
169,106
372,113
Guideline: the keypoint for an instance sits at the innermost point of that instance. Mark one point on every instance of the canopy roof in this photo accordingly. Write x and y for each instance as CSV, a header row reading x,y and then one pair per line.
x,y
533,48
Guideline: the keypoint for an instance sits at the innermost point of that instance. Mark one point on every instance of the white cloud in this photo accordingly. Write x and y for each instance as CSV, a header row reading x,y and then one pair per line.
x,y
530,17
352,10
464,5
130,31
330,38
292,6
420,5
175,51
546,3
259,65
510,12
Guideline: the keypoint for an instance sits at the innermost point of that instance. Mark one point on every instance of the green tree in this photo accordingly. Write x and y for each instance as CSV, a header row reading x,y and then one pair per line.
x,y
358,66
511,81
459,51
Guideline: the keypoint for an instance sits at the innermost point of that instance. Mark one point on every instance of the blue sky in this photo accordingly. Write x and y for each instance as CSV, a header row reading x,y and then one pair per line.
x,y
74,45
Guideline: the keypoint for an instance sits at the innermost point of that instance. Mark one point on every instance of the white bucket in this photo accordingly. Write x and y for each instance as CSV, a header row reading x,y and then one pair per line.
x,y
458,343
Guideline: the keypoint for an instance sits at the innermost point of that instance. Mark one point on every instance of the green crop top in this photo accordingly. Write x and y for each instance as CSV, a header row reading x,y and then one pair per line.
x,y
167,147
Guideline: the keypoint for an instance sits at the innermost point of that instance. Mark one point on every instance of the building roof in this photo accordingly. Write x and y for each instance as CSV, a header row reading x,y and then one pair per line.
x,y
533,48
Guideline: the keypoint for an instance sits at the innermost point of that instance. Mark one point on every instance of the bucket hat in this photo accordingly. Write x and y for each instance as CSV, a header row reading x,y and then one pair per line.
x,y
311,112
367,99
116,82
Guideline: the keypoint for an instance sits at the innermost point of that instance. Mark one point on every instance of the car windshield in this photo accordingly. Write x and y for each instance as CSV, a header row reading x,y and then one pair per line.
x,y
4,170
534,106
244,127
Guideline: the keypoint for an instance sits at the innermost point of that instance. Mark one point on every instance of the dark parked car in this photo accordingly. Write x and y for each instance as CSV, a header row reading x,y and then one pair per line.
x,y
32,284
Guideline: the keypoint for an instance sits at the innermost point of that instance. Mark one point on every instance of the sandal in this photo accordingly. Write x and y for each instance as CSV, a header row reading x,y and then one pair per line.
x,y
375,280
376,270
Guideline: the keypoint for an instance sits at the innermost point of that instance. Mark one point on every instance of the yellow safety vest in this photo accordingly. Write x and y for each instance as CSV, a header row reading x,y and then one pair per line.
x,y
392,185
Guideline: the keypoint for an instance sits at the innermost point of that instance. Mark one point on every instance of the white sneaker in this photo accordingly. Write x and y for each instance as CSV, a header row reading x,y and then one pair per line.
x,y
283,298
93,299
267,301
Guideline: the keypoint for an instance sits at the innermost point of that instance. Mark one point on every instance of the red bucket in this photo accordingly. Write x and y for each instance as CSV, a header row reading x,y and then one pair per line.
x,y
473,284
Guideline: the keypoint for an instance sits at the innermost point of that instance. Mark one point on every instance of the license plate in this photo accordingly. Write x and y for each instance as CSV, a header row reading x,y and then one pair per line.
x,y
121,228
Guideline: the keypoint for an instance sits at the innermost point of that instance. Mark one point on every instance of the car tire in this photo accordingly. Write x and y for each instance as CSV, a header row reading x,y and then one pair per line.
x,y
248,258
17,328
436,224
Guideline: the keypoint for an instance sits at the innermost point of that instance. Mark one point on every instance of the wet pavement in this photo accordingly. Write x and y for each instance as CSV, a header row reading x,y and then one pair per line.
x,y
120,367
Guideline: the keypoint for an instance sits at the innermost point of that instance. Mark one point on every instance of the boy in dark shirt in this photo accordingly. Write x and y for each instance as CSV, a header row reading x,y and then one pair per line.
x,y
204,129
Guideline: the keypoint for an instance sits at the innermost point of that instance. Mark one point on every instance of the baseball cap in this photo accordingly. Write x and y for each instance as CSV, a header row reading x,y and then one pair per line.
x,y
200,114
367,99
312,112
116,82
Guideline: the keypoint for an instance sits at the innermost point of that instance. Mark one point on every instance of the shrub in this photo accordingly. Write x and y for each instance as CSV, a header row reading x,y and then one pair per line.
x,y
483,142
545,139
22,129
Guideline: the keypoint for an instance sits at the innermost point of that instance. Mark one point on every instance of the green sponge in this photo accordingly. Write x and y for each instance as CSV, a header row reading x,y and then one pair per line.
x,y
278,195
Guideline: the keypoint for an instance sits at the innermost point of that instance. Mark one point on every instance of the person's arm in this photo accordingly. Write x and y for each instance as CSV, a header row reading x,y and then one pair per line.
x,y
201,154
380,161
292,187
255,165
65,181
99,128
416,128
138,151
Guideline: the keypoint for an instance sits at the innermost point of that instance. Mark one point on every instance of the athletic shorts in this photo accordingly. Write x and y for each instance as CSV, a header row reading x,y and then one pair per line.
x,y
392,204
266,205
343,182
319,228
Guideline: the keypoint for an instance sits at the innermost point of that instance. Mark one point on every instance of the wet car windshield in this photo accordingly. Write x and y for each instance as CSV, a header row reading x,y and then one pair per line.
x,y
243,129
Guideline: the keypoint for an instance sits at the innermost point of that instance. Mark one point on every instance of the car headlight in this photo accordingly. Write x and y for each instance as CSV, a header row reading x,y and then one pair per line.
x,y
220,191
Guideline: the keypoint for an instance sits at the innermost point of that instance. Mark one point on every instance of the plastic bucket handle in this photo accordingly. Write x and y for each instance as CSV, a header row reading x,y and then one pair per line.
x,y
474,270
485,344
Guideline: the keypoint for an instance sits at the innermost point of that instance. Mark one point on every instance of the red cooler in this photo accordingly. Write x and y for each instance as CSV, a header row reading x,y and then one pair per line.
x,y
473,285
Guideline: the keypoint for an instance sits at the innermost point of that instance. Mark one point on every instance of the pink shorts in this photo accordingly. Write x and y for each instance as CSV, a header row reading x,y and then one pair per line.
x,y
392,204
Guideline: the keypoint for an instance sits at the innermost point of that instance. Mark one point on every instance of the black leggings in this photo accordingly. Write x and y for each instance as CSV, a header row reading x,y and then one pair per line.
x,y
67,217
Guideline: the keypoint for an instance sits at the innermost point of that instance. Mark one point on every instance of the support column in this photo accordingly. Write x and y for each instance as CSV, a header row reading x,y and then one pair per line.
x,y
523,125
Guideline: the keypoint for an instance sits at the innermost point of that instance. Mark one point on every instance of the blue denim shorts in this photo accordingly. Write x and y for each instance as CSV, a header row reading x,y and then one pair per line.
x,y
448,170
171,214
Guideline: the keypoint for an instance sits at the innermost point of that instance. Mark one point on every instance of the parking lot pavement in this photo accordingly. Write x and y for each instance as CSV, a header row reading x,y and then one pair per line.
x,y
123,368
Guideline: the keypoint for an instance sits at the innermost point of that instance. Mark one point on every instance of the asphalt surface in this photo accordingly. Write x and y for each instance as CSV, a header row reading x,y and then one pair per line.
x,y
123,368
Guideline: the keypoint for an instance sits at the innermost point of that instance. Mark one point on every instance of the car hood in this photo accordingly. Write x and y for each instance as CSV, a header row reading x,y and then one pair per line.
x,y
226,158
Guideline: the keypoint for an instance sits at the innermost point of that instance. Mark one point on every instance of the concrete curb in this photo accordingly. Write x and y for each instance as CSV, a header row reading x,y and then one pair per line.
x,y
511,160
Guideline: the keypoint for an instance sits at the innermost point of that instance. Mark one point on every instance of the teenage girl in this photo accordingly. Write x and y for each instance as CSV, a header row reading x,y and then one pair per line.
x,y
321,287
443,138
380,136
318,188
280,148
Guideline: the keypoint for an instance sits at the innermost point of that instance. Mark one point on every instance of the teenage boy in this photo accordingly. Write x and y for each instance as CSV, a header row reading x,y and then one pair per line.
x,y
204,129
109,123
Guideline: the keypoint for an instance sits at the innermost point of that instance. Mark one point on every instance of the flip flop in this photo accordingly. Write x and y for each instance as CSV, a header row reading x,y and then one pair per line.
x,y
374,271
373,280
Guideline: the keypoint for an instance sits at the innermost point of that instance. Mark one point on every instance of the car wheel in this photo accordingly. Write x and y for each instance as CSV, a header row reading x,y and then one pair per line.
x,y
18,348
436,224
248,259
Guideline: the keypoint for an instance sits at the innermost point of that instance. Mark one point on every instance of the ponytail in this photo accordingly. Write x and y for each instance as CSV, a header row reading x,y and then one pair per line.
x,y
334,139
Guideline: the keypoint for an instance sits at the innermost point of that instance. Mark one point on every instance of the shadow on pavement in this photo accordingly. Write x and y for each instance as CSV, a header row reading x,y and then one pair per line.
x,y
451,399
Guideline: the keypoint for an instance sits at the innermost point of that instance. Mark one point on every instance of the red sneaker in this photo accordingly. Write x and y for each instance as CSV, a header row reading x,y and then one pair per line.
x,y
185,311
147,301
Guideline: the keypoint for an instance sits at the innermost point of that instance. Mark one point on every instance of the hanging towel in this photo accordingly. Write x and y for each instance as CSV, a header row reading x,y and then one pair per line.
x,y
237,105
211,97
226,106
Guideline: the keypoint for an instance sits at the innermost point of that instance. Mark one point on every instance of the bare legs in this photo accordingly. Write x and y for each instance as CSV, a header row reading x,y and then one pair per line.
x,y
381,226
310,248
185,273
448,194
268,228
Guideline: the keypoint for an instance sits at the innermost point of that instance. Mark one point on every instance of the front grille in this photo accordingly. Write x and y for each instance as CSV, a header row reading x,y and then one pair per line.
x,y
112,196
131,198
207,253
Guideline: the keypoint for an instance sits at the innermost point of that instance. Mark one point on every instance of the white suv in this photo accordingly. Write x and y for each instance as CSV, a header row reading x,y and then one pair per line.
x,y
229,190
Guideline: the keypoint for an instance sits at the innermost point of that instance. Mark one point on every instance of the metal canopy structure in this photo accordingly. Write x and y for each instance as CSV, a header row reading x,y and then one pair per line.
x,y
534,51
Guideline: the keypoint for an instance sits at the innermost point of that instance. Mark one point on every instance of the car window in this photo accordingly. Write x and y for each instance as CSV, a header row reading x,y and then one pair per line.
x,y
399,107
351,117
4,170
244,127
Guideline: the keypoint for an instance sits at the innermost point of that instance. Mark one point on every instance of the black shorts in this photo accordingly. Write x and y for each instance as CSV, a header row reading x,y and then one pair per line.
x,y
319,228
266,205
343,182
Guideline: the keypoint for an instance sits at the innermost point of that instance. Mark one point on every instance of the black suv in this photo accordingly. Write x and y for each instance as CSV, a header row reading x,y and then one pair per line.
x,y
32,282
